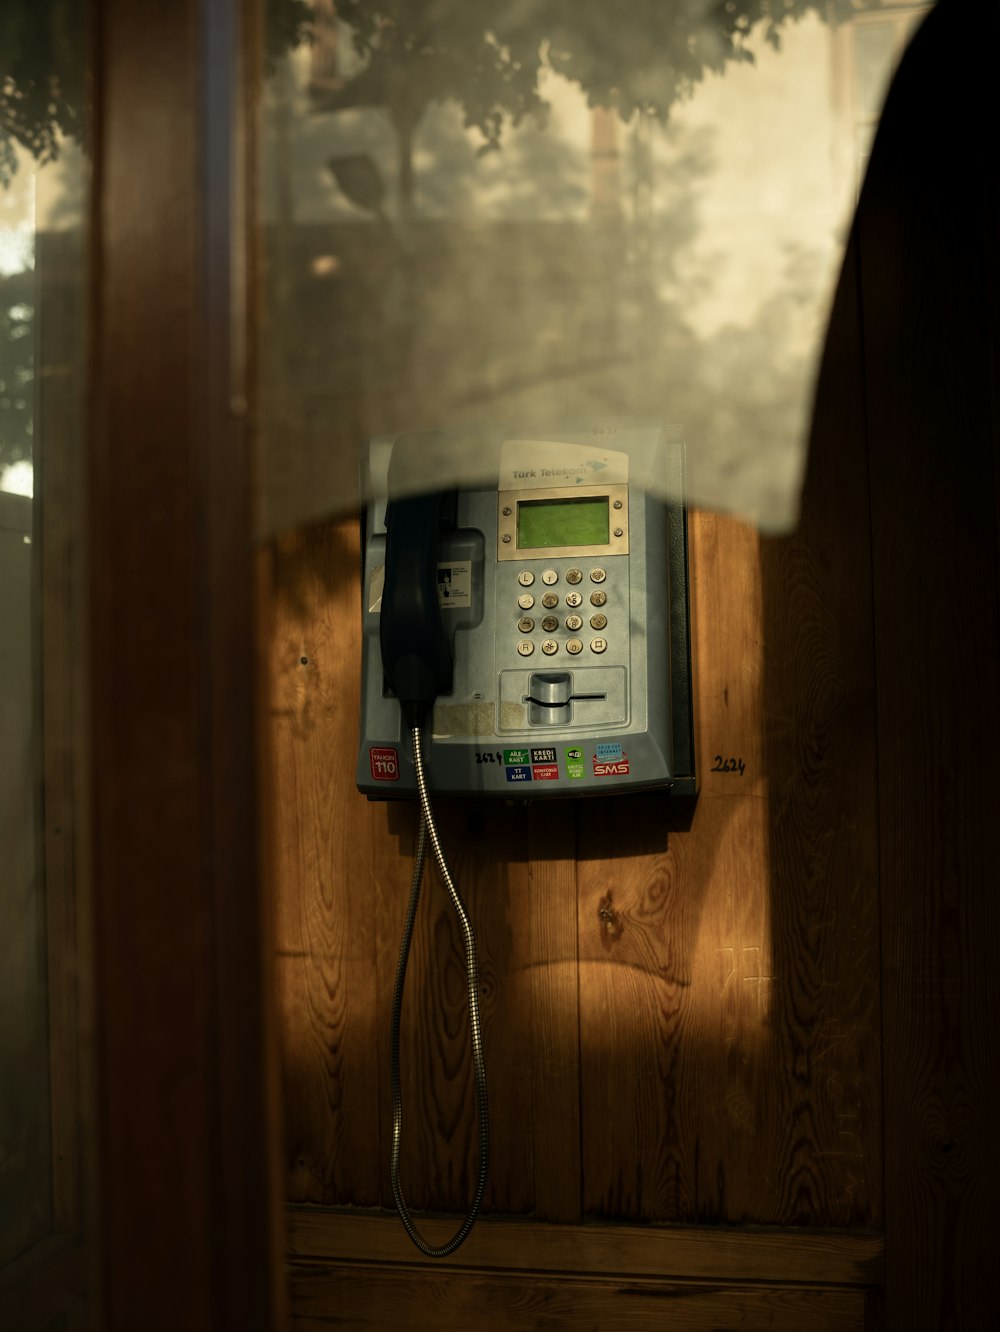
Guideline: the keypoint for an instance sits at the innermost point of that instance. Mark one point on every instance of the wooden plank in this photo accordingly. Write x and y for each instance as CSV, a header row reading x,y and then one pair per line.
x,y
824,1096
325,892
707,1253
362,1298
928,226
676,980
521,907
341,905
730,1058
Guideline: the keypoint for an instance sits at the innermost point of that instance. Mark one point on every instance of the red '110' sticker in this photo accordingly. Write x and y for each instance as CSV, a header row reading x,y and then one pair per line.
x,y
385,764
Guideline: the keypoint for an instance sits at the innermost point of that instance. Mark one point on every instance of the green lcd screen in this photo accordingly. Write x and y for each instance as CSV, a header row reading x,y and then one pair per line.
x,y
568,522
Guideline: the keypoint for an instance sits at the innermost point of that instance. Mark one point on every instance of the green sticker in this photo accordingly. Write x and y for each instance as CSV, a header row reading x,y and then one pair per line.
x,y
574,762
515,756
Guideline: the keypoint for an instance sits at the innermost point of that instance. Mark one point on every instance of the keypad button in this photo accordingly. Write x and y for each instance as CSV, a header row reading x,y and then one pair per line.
x,y
526,647
598,621
525,624
550,600
573,623
525,577
550,624
598,598
573,599
597,575
549,577
526,601
574,646
598,645
574,576
549,646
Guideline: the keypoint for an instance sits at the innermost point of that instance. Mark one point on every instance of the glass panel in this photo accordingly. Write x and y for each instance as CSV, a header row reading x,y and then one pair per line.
x,y
478,213
874,45
42,187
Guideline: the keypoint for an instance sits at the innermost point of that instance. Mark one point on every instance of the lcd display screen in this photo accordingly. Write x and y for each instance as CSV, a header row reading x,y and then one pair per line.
x,y
568,522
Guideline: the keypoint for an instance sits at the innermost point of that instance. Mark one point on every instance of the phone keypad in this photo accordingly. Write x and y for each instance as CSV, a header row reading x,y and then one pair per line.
x,y
550,623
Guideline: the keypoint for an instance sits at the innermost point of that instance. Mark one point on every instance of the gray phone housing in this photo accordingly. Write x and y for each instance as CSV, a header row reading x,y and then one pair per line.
x,y
611,715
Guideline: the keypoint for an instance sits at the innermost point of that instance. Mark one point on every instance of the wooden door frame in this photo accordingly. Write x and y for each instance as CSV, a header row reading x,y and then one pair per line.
x,y
189,1215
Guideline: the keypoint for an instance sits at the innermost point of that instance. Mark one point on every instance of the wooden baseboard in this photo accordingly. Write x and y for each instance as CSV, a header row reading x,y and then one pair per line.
x,y
646,1253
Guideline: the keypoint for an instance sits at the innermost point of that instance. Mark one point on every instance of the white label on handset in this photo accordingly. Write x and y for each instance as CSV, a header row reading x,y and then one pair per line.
x,y
454,584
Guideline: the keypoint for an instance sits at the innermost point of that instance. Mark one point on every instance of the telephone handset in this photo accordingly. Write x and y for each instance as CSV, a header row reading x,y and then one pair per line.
x,y
415,652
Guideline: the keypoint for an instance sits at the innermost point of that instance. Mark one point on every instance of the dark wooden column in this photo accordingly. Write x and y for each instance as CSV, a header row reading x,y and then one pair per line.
x,y
185,1106
927,232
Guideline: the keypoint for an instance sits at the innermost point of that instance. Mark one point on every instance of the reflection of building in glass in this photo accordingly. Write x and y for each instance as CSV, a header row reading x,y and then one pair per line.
x,y
678,269
867,48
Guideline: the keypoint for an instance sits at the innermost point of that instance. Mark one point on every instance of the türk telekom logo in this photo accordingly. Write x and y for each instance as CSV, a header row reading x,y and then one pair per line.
x,y
385,764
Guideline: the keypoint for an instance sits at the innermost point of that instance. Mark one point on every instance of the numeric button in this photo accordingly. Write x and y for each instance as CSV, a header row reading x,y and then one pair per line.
x,y
550,624
598,621
597,575
574,576
573,599
574,646
549,577
598,598
573,623
550,600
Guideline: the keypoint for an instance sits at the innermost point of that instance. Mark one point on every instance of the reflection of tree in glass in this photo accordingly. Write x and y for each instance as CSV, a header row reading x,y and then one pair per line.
x,y
16,368
42,70
488,56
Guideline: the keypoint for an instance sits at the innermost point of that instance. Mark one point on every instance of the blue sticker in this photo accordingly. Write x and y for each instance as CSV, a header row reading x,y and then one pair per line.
x,y
519,774
609,751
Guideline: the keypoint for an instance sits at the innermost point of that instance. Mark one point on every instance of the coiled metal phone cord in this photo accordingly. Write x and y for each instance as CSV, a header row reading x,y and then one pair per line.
x,y
428,832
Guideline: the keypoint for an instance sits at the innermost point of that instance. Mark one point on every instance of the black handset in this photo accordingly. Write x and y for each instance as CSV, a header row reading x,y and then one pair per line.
x,y
416,653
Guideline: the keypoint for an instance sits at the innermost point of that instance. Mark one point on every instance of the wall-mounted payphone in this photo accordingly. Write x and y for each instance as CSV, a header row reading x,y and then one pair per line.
x,y
561,591
529,637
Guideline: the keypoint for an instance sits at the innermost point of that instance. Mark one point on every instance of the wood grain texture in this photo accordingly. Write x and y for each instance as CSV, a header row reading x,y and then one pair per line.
x,y
927,236
326,890
344,867
715,1253
632,948
433,1301
491,851
819,740
728,1001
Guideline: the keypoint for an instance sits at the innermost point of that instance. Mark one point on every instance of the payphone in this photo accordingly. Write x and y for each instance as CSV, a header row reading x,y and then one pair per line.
x,y
526,637
559,597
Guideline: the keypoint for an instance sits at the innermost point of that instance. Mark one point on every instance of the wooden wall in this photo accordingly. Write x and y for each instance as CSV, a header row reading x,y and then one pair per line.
x,y
681,998
758,1021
